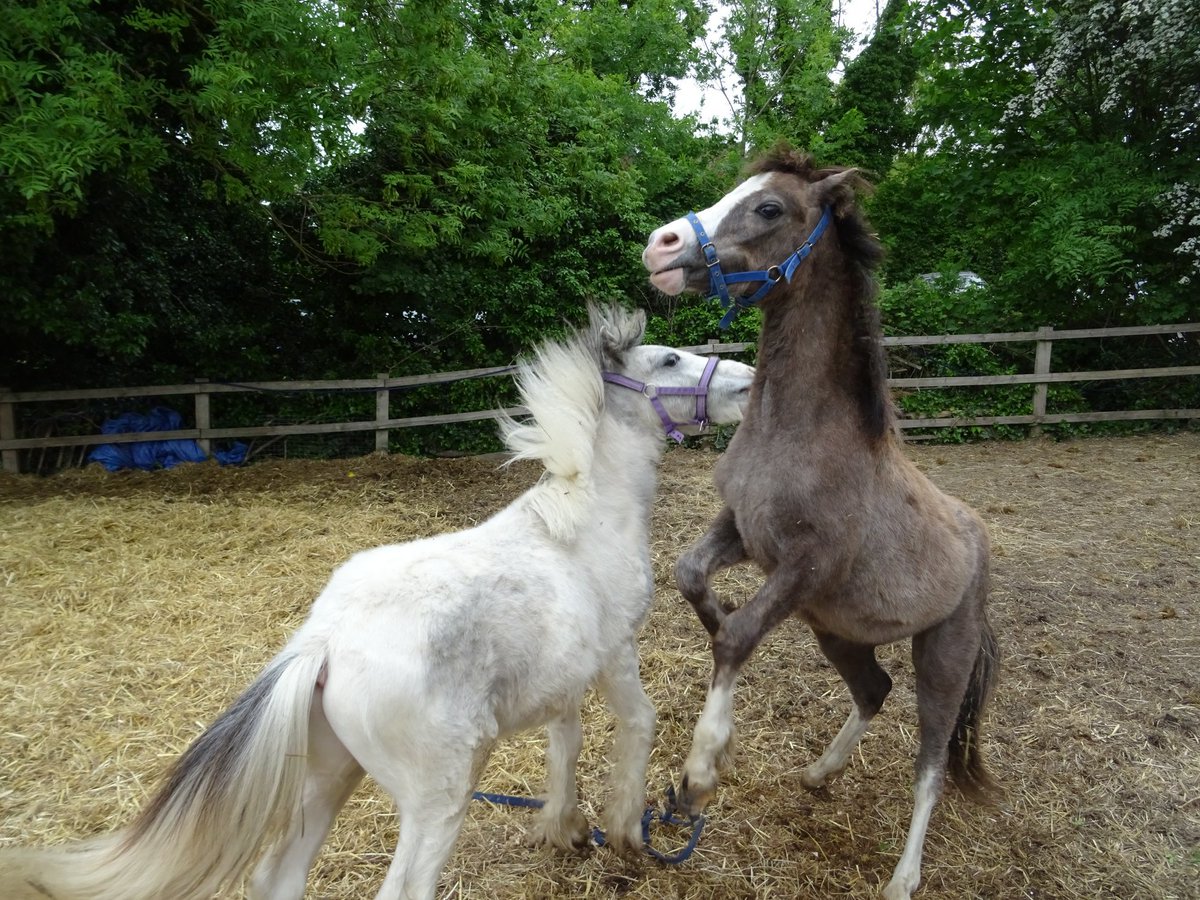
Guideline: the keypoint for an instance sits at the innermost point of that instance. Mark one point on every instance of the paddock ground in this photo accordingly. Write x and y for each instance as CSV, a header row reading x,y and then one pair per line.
x,y
135,606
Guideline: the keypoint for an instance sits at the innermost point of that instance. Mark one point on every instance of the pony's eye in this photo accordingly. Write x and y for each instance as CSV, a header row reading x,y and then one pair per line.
x,y
770,210
671,360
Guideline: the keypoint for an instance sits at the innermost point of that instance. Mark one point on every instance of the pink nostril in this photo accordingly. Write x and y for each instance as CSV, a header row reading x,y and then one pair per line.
x,y
664,246
664,240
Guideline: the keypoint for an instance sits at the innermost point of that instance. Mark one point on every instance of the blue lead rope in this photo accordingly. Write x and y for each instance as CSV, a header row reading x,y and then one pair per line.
x,y
666,817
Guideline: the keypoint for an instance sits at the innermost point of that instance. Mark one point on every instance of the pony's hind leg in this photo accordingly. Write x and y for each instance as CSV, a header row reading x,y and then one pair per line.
x,y
559,822
953,662
621,686
432,795
719,548
331,776
869,686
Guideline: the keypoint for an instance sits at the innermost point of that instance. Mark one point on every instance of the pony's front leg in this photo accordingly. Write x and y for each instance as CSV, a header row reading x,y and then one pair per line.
x,y
712,748
621,686
559,822
712,742
720,548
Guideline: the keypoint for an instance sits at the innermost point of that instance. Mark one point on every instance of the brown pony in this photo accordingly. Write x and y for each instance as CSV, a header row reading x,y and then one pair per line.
x,y
852,538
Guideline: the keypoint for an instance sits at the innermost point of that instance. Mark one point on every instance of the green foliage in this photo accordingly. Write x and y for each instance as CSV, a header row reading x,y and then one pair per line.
x,y
255,188
249,88
184,193
1043,163
944,305
500,187
870,122
782,54
141,146
939,305
644,44
692,322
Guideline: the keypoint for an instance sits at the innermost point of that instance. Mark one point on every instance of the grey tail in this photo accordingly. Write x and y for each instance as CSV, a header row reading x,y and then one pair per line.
x,y
965,763
232,792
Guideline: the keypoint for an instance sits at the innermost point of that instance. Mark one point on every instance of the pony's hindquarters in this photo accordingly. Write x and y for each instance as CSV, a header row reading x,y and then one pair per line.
x,y
234,789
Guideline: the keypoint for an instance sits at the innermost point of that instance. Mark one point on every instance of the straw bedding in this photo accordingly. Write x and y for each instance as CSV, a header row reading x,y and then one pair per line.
x,y
136,606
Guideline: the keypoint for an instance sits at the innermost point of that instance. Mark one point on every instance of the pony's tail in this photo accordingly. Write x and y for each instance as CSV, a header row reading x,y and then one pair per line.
x,y
233,790
965,763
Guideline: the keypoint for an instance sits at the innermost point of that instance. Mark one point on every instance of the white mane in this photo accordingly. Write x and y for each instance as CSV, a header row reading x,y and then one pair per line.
x,y
562,390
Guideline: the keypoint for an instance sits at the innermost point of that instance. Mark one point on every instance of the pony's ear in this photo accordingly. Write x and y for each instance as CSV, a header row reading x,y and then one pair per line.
x,y
839,189
616,330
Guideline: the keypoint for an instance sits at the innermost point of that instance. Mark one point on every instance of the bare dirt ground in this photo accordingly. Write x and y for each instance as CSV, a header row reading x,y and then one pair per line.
x,y
135,606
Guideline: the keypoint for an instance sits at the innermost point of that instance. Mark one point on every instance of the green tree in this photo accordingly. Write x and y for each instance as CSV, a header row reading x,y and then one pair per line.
x,y
500,186
870,122
1047,161
1127,75
645,43
1057,157
774,64
142,145
185,194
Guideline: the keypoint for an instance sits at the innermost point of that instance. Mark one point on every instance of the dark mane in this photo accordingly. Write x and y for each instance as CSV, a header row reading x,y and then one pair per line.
x,y
864,253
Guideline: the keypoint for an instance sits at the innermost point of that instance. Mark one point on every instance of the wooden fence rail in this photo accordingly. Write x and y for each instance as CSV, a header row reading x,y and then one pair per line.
x,y
204,433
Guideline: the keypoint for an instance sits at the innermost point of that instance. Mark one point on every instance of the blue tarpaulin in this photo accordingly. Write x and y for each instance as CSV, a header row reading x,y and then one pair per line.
x,y
156,454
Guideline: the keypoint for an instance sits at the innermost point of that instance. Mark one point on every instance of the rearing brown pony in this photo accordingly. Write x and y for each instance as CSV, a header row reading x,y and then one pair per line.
x,y
853,539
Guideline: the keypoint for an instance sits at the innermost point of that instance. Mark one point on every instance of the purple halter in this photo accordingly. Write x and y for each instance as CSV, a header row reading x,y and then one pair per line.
x,y
653,392
767,277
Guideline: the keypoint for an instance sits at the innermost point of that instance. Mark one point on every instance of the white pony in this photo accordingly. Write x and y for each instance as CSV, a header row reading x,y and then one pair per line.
x,y
416,657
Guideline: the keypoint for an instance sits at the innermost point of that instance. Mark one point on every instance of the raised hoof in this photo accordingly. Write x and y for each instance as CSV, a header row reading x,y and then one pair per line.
x,y
690,800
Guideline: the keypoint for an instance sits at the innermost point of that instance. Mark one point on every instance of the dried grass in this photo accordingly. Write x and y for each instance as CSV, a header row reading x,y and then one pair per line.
x,y
135,606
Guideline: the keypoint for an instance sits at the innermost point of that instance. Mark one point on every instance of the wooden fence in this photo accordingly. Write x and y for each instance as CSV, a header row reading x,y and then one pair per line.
x,y
204,433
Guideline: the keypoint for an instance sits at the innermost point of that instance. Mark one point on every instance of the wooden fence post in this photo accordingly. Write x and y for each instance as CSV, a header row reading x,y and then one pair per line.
x,y
1041,366
203,417
382,414
10,460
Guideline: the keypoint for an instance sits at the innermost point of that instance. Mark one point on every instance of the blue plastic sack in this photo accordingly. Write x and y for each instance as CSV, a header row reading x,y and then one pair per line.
x,y
156,454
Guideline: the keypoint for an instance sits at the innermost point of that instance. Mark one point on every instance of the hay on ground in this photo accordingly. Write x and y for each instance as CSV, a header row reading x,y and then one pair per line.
x,y
136,606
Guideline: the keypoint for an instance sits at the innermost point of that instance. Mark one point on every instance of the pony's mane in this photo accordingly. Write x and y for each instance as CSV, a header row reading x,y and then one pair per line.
x,y
864,253
562,389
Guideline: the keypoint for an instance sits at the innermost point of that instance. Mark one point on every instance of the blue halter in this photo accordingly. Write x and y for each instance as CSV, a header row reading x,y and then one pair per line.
x,y
718,281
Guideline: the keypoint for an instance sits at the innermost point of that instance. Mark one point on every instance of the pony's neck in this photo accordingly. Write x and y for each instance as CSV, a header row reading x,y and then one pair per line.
x,y
626,468
613,495
819,354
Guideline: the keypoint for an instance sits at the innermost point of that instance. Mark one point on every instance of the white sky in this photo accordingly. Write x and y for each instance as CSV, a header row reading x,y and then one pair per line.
x,y
859,15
